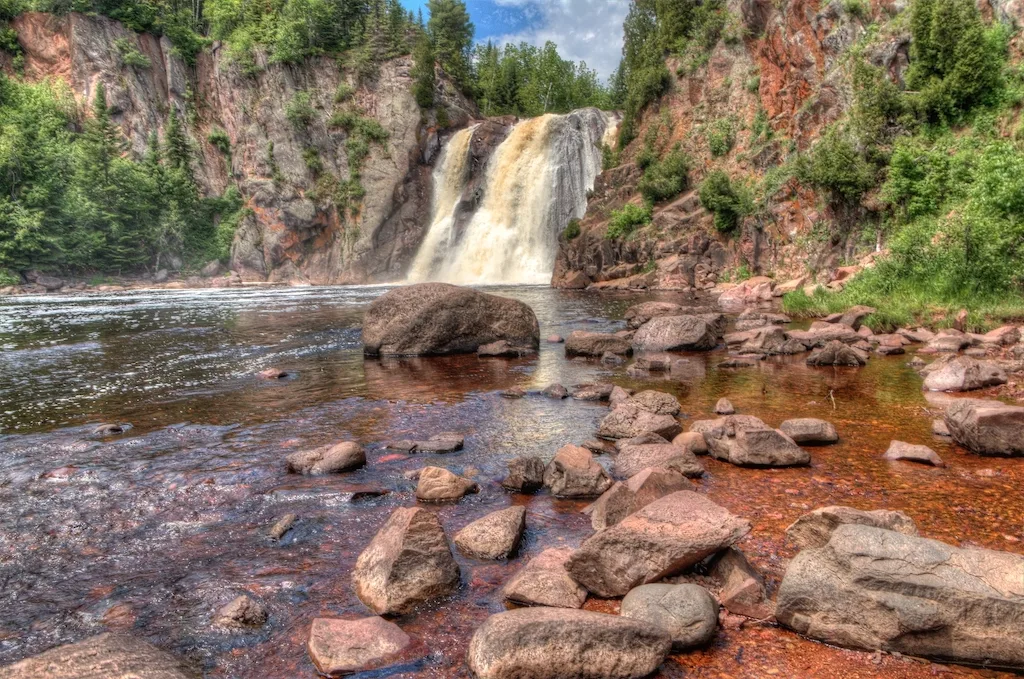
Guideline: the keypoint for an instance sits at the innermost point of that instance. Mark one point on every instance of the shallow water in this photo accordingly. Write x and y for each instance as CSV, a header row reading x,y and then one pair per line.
x,y
151,531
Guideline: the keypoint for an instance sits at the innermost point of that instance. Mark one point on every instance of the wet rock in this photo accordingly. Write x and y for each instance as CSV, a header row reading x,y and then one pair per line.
x,y
662,539
676,333
282,526
987,427
619,396
513,393
687,612
612,359
875,589
764,341
638,314
964,373
750,291
525,474
573,473
632,459
494,536
543,581
815,529
556,391
161,276
274,374
407,562
107,656
548,643
437,484
918,336
583,343
341,457
627,421
592,392
242,612
448,442
898,450
50,283
1003,336
733,363
657,402
746,441
599,447
340,647
939,428
855,315
824,334
653,363
889,350
836,353
110,429
949,341
692,441
724,407
437,318
743,590
626,497
555,339
503,349
809,431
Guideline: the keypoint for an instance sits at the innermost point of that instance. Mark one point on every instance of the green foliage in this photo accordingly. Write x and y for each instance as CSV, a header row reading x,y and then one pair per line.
x,y
835,166
299,110
572,229
857,8
721,137
8,278
343,93
128,52
609,157
880,111
728,202
451,32
220,140
665,178
760,128
625,220
424,80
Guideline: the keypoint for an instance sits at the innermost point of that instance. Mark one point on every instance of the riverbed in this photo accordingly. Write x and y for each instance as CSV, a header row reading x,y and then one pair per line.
x,y
150,531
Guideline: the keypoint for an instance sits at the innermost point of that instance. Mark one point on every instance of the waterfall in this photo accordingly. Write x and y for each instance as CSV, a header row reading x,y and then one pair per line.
x,y
536,181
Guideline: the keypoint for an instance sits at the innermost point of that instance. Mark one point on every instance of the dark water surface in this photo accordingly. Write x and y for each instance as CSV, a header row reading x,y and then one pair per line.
x,y
152,531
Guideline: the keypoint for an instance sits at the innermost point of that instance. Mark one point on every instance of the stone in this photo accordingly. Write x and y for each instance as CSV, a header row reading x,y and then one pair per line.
x,y
592,392
240,613
809,431
212,269
638,314
724,407
939,428
574,473
824,334
555,339
513,393
657,402
282,526
618,396
556,391
107,656
889,350
494,536
654,364
898,450
599,447
627,421
407,563
632,459
1003,336
748,442
274,374
436,318
339,647
835,353
876,589
987,427
596,344
439,444
525,474
947,342
815,529
549,643
743,589
964,373
733,363
437,484
503,349
854,315
687,612
662,539
692,441
110,429
626,497
676,333
543,581
608,358
341,457
918,336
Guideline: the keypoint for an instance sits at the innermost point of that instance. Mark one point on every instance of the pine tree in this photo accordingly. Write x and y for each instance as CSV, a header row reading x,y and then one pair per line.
x,y
452,33
178,152
423,71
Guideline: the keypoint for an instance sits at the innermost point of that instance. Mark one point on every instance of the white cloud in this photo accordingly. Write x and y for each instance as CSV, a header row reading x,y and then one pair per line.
x,y
584,30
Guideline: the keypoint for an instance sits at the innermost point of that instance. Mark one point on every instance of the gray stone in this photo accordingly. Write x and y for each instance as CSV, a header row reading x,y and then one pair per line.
x,y
632,459
687,612
573,473
964,373
341,457
339,647
724,407
987,427
898,450
240,613
627,421
626,497
747,442
595,344
809,431
743,589
282,526
494,536
835,353
676,333
592,392
543,581
814,530
107,656
525,474
437,484
657,402
556,391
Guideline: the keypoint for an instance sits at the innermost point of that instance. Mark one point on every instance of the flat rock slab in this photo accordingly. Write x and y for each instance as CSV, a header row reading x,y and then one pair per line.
x,y
107,656
626,497
662,539
814,529
687,612
898,450
633,459
627,421
494,536
987,427
547,643
809,431
596,344
340,647
543,581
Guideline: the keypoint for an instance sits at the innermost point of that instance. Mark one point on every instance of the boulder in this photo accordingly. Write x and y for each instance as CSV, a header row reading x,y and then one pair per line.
x,y
632,459
592,392
107,656
341,457
662,539
548,643
676,333
503,349
51,283
600,447
437,318
555,391
573,473
898,450
627,421
809,431
815,529
687,612
583,343
836,353
543,581
494,536
824,334
854,315
619,396
725,407
240,613
987,427
964,373
407,562
876,589
948,341
1003,336
626,497
657,402
339,647
525,474
918,336
638,314
437,484
692,441
748,442
743,590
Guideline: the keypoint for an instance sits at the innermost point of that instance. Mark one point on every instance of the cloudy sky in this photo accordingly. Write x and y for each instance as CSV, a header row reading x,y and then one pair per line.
x,y
588,30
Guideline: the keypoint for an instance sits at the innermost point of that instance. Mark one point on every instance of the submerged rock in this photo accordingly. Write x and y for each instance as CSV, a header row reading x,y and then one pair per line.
x,y
437,318
687,612
898,450
815,529
583,343
339,647
341,457
242,612
543,581
987,427
494,536
573,473
627,497
107,656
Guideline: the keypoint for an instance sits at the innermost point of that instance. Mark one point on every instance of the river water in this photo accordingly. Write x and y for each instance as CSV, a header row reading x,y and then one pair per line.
x,y
151,531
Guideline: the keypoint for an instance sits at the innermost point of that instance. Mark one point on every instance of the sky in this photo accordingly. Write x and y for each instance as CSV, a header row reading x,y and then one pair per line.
x,y
587,30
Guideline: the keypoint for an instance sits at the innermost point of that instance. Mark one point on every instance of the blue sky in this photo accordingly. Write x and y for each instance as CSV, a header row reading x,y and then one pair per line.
x,y
590,30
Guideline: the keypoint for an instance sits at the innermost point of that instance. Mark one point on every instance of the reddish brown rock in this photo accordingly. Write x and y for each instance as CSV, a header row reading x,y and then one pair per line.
x,y
573,473
543,581
627,497
494,536
107,656
340,647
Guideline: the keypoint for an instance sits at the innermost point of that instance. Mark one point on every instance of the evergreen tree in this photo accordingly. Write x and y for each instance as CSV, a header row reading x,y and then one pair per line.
x,y
177,150
452,33
423,71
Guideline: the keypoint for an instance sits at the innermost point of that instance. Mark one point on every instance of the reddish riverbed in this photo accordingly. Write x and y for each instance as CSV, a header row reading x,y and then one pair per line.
x,y
151,531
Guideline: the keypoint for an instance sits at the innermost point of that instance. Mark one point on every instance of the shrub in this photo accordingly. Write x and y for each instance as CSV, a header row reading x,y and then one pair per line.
x,y
857,8
8,277
299,110
129,54
728,203
572,230
625,220
219,139
609,157
312,159
721,137
343,93
835,166
666,178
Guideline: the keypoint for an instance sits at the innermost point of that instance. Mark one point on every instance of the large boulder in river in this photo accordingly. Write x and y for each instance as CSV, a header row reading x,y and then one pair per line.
x,y
876,589
987,427
809,431
634,458
629,420
835,353
583,343
687,612
339,647
494,536
662,539
815,529
107,656
677,333
626,497
746,441
964,373
573,473
407,562
437,318
543,581
550,643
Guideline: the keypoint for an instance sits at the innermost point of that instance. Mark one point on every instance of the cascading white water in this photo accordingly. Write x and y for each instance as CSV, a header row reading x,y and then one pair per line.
x,y
536,181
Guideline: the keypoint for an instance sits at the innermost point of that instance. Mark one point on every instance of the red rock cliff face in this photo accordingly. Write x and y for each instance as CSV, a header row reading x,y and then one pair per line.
x,y
292,234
